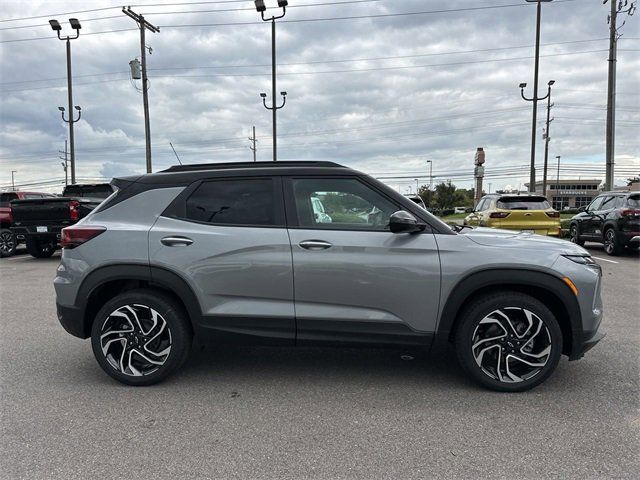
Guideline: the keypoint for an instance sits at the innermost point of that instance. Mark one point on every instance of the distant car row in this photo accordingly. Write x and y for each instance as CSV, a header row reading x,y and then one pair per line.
x,y
612,219
37,218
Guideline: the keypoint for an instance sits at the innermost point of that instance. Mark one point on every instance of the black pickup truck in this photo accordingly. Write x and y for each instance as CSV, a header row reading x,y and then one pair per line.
x,y
40,221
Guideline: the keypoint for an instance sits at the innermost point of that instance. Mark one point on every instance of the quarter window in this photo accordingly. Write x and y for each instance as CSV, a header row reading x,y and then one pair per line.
x,y
340,203
249,202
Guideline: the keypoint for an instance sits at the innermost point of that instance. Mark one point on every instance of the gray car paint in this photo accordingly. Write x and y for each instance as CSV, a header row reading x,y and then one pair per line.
x,y
374,276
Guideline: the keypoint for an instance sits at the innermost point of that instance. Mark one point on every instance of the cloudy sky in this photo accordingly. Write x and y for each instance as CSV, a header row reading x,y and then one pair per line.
x,y
378,85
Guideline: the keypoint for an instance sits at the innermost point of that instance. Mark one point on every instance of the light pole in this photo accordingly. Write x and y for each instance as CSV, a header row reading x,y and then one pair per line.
x,y
75,25
71,121
547,138
260,7
13,183
534,99
430,179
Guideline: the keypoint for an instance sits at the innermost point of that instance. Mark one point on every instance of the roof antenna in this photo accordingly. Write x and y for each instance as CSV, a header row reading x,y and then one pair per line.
x,y
174,151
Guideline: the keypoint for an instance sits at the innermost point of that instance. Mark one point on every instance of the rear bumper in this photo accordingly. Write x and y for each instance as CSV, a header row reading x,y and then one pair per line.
x,y
72,321
31,230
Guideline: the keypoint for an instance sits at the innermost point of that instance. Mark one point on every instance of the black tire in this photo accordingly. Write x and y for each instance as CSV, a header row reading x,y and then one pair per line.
x,y
612,245
516,304
574,235
7,243
179,337
40,249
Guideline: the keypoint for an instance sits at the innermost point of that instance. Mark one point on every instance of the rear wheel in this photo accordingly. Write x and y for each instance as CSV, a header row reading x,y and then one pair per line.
x,y
611,243
508,342
40,248
574,235
140,337
7,243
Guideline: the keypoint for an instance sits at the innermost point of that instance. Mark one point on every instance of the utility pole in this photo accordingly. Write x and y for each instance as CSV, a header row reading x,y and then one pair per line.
x,y
617,7
13,183
430,179
144,25
546,138
65,165
253,141
56,27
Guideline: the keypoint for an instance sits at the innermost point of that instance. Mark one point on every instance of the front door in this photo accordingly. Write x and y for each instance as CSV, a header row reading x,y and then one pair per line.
x,y
591,224
227,238
354,280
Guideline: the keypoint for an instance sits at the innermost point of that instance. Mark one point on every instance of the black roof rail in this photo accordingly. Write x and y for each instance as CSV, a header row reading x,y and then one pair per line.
x,y
232,165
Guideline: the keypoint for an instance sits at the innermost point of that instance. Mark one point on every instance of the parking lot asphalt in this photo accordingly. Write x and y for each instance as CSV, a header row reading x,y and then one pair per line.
x,y
309,413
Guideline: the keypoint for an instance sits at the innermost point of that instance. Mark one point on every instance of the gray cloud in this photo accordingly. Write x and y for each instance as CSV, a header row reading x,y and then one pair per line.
x,y
381,116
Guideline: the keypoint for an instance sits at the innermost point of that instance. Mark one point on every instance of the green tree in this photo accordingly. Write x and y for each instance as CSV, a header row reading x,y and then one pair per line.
x,y
445,196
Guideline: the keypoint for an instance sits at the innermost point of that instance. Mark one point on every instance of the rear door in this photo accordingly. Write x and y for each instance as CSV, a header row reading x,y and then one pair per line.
x,y
227,239
355,281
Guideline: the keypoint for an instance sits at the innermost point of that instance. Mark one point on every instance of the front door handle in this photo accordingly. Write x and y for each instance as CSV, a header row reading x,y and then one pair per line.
x,y
315,245
176,241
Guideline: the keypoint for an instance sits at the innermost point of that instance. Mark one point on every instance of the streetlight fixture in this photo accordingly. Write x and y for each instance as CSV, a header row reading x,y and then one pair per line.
x,y
56,27
534,99
261,8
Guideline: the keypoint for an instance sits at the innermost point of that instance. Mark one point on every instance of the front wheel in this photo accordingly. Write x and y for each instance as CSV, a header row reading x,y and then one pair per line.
x,y
40,249
611,243
574,235
140,337
508,342
7,243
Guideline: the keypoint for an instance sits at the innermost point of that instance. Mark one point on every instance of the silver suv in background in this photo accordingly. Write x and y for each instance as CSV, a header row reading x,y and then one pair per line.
x,y
236,253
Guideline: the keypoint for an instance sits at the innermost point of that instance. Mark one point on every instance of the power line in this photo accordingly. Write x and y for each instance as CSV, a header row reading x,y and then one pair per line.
x,y
203,67
305,20
323,72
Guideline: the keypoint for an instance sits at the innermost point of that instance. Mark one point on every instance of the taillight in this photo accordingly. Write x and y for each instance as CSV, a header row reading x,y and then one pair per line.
x,y
553,214
499,214
630,212
72,237
74,214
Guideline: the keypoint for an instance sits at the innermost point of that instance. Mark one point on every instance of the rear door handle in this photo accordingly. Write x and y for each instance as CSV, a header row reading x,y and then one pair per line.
x,y
315,245
176,241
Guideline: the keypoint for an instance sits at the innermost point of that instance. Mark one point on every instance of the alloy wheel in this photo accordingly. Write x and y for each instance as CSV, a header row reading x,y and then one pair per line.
x,y
7,242
511,344
573,236
609,241
135,340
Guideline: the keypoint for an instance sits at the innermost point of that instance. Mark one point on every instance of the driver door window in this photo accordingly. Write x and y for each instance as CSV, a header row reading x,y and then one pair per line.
x,y
340,204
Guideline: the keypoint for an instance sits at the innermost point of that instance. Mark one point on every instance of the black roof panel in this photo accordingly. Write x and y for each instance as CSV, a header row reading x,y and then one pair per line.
x,y
233,165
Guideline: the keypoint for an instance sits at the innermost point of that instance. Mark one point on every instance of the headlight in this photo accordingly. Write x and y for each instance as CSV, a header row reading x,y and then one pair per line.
x,y
581,259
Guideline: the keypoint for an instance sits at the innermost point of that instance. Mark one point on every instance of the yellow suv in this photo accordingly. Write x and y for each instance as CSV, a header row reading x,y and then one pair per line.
x,y
524,213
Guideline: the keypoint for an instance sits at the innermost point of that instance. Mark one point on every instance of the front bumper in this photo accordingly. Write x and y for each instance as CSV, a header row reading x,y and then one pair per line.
x,y
72,321
590,339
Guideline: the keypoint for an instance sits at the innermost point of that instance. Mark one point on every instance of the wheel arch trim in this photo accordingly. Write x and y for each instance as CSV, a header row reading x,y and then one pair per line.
x,y
515,278
153,276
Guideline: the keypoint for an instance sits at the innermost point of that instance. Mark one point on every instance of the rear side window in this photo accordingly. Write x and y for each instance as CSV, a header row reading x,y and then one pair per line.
x,y
5,198
634,201
248,202
524,203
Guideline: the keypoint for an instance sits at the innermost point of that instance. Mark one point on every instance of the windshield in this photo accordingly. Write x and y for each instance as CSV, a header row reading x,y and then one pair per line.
x,y
93,191
523,203
634,201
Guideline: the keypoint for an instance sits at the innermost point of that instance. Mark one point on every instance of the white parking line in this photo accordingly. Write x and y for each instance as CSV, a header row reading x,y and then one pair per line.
x,y
605,260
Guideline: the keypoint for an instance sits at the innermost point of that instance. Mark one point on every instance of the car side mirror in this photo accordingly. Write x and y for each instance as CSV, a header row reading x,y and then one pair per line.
x,y
582,209
403,222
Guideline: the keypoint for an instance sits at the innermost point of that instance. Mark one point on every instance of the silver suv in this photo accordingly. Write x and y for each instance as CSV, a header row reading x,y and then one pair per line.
x,y
237,253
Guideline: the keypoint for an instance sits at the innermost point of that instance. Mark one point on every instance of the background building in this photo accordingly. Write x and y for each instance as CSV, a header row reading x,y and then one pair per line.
x,y
570,193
